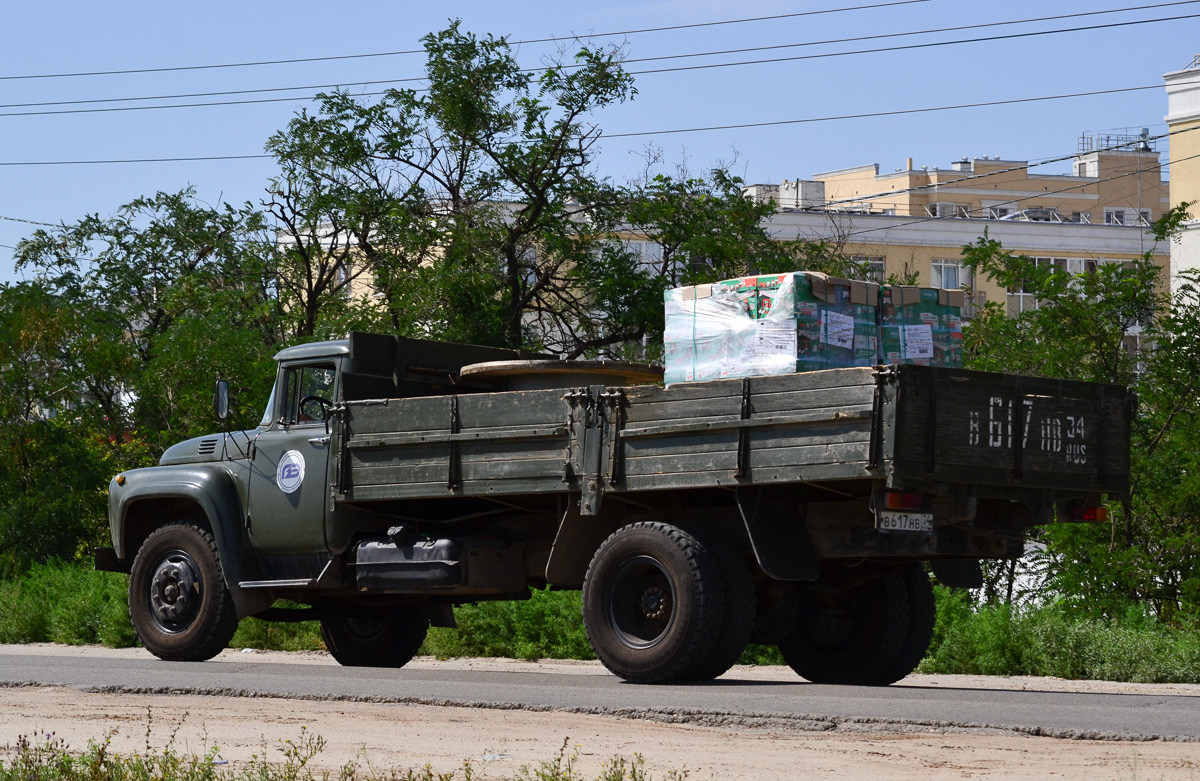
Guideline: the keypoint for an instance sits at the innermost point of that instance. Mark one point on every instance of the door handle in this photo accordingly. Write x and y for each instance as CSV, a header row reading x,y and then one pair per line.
x,y
319,440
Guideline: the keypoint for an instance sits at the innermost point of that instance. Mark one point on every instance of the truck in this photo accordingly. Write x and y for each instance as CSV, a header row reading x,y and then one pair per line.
x,y
391,479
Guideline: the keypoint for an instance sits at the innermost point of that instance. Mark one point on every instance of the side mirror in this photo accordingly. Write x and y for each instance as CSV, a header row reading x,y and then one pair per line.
x,y
221,400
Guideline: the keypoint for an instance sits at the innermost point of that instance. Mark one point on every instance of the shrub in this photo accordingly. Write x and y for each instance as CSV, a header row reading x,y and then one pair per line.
x,y
1049,640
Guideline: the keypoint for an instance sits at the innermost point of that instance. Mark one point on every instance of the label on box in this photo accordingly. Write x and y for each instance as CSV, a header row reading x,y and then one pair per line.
x,y
838,330
772,337
916,341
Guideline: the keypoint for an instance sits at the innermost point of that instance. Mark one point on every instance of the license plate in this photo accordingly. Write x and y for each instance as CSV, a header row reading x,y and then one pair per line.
x,y
892,521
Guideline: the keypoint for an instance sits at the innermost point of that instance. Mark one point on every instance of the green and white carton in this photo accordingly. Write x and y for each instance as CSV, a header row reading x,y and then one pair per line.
x,y
921,325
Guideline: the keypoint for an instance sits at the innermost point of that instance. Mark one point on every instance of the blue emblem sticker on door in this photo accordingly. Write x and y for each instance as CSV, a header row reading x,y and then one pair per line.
x,y
290,473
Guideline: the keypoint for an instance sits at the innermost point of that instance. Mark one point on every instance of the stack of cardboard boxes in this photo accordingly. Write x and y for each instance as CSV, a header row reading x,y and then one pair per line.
x,y
804,321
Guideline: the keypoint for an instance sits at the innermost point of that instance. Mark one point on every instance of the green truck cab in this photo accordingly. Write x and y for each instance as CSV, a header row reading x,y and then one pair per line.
x,y
392,478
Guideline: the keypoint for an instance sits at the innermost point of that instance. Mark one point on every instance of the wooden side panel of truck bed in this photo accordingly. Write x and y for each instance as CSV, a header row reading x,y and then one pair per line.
x,y
788,428
912,425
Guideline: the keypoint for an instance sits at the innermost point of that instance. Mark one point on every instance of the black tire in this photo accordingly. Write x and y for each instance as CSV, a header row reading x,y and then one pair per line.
x,y
848,635
922,614
652,603
377,637
740,600
179,603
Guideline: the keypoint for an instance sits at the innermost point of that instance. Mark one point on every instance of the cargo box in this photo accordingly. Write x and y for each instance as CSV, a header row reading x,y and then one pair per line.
x,y
921,326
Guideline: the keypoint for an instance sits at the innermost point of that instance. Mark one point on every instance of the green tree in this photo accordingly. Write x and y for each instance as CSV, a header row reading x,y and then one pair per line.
x,y
145,309
705,227
472,209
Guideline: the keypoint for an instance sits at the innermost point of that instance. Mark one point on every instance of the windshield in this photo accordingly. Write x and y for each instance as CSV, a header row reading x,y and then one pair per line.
x,y
269,415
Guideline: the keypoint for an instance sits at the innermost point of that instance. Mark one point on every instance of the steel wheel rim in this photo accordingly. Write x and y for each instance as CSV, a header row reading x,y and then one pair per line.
x,y
641,602
176,592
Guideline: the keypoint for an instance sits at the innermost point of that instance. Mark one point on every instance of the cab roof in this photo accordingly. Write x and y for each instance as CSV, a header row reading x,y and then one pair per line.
x,y
314,350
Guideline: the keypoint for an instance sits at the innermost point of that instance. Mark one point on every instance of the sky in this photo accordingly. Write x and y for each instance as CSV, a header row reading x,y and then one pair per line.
x,y
54,37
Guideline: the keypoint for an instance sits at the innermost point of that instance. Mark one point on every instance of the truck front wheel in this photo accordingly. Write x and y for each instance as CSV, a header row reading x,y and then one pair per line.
x,y
653,603
178,601
378,637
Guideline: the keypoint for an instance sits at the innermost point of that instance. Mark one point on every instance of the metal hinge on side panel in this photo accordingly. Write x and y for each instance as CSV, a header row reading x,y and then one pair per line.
x,y
743,434
342,467
454,478
593,453
614,400
875,449
576,422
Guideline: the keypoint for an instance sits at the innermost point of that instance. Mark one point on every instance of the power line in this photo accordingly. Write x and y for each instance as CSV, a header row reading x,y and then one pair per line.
x,y
206,104
222,93
909,33
912,46
659,70
182,95
551,39
873,114
28,222
866,115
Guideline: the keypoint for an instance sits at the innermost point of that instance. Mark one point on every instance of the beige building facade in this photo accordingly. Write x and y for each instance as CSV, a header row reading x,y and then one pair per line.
x,y
932,248
1115,180
918,220
1183,124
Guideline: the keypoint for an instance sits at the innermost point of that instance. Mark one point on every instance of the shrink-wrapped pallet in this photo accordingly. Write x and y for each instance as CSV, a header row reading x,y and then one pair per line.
x,y
769,324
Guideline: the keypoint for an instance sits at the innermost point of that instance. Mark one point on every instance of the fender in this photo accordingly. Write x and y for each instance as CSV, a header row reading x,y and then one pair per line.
x,y
210,487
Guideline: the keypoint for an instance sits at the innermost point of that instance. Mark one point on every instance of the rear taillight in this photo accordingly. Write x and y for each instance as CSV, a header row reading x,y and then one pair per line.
x,y
1089,514
898,501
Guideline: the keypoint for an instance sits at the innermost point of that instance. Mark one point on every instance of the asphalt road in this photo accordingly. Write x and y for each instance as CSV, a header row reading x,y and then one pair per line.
x,y
747,699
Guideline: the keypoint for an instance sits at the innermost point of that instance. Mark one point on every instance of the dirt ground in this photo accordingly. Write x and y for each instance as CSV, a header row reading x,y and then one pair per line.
x,y
499,742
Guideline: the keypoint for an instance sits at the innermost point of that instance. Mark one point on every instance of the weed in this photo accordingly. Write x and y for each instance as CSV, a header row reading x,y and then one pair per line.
x,y
44,757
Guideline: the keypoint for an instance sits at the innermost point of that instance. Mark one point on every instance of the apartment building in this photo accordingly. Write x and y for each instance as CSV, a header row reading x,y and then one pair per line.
x,y
918,219
1183,124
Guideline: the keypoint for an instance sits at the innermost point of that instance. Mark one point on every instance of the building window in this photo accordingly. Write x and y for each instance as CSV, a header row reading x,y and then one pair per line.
x,y
873,265
648,254
1143,216
1021,300
1114,216
996,212
1083,217
950,275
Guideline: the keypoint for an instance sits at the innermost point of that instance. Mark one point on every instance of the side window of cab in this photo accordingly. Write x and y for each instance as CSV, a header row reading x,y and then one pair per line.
x,y
308,393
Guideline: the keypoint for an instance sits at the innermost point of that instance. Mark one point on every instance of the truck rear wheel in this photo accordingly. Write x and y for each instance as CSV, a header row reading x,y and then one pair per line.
x,y
848,635
179,604
922,614
653,603
740,603
379,637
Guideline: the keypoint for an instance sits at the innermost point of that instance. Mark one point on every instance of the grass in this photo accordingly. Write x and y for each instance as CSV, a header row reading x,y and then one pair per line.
x,y
47,758
67,603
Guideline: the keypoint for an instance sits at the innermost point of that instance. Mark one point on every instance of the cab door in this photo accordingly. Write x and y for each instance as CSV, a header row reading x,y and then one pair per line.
x,y
288,487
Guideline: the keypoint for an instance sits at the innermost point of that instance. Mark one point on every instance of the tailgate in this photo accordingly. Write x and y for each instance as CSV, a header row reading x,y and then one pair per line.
x,y
958,426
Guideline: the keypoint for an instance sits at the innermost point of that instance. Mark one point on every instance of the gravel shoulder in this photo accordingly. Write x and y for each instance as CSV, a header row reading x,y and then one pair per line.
x,y
500,741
